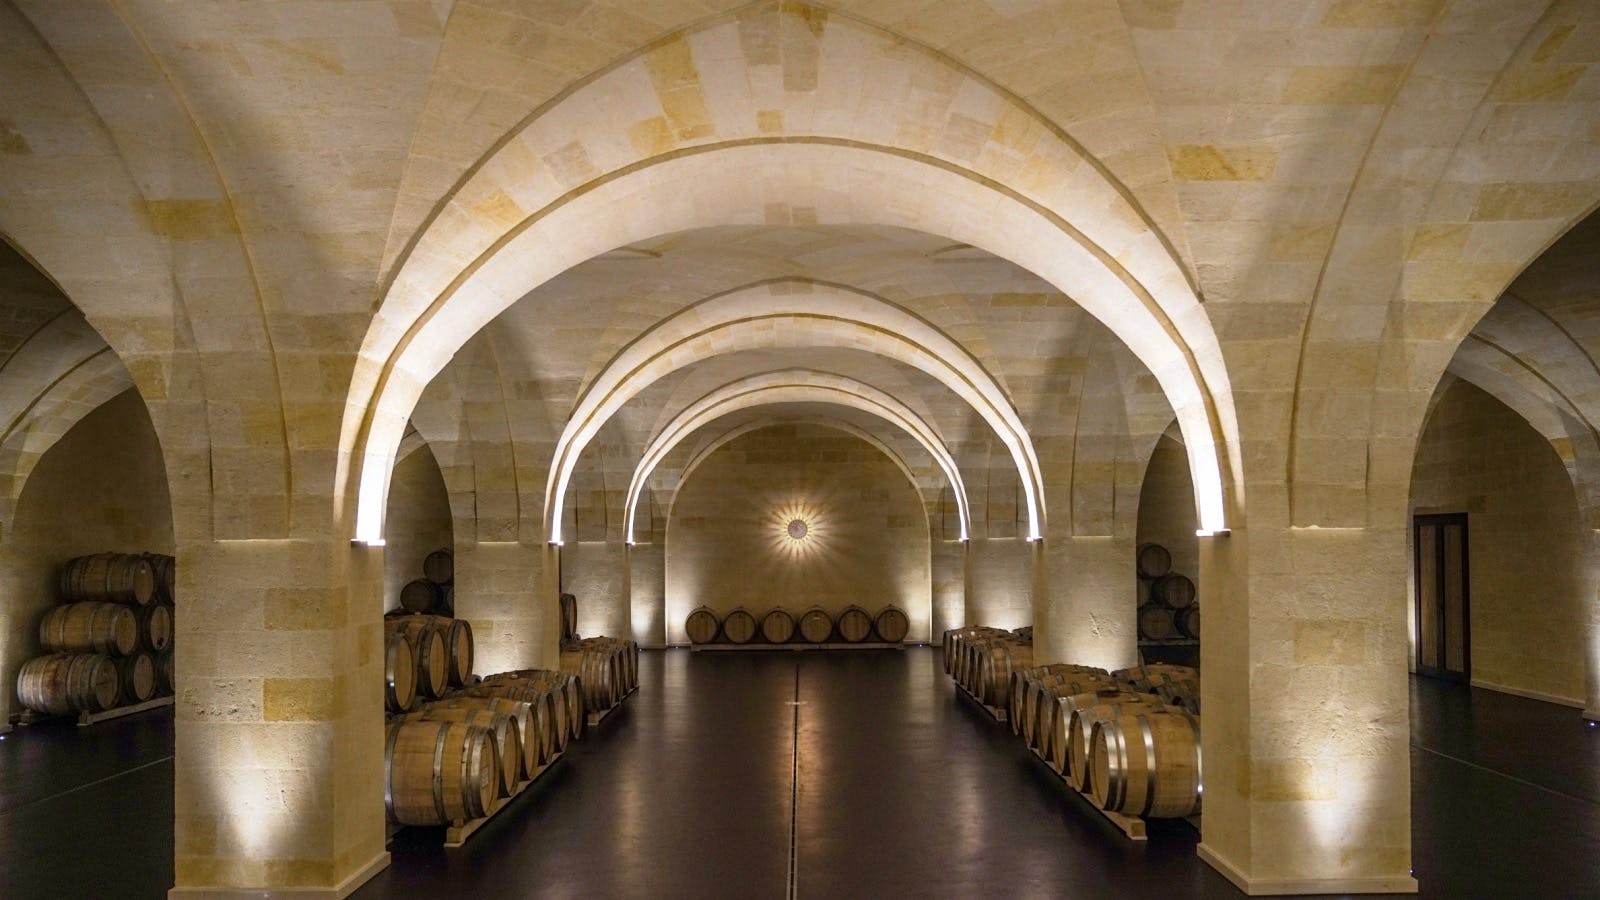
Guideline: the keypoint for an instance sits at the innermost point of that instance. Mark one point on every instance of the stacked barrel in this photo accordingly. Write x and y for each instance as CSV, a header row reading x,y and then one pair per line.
x,y
606,668
816,625
450,759
433,593
424,657
109,642
1168,603
1128,740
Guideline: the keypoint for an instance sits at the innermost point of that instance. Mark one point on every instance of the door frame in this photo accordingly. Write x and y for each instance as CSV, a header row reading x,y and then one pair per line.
x,y
1418,522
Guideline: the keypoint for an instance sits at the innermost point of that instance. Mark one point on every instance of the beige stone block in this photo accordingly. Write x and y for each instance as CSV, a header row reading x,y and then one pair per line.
x,y
1292,779
1330,642
1341,85
1531,201
189,220
1379,13
300,699
1210,162
1536,84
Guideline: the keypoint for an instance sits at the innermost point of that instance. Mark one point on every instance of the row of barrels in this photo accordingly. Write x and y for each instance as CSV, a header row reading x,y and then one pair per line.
x,y
109,643
1119,737
424,656
814,626
1168,601
448,761
607,668
433,592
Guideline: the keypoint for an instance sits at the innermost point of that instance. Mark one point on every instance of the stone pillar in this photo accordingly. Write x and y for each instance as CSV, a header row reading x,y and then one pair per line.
x,y
949,571
999,583
278,763
1306,743
509,591
1589,582
1086,605
647,594
597,573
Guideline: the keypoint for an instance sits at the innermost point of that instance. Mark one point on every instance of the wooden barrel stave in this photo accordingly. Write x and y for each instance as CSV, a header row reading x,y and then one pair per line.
x,y
428,651
702,626
65,683
90,627
462,787
399,672
1147,763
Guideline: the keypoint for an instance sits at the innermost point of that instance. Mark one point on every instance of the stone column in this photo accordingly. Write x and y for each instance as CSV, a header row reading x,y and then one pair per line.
x,y
999,582
509,591
949,571
1086,605
1306,743
647,594
597,573
278,763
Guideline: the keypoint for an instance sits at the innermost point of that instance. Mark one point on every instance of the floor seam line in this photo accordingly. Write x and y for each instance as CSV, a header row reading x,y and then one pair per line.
x,y
85,786
1506,775
794,793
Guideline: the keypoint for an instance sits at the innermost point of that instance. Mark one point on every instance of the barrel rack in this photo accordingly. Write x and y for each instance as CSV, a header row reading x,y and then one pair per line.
x,y
827,645
456,834
595,718
30,717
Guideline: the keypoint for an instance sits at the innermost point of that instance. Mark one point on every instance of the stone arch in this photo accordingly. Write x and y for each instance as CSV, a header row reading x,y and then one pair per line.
x,y
797,386
1008,182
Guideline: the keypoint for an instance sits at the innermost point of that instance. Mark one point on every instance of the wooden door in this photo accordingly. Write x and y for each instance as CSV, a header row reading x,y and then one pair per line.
x,y
1444,634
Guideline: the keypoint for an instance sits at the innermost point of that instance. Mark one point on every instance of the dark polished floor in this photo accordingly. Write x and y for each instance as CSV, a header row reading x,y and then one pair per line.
x,y
823,775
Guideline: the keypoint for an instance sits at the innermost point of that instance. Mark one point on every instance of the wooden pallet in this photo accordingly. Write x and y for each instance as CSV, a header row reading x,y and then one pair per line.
x,y
1132,827
457,834
997,712
831,645
31,717
595,718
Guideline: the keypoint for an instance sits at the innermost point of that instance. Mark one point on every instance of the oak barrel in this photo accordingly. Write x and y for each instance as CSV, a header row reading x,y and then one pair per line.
x,y
109,577
164,569
169,681
1040,687
1080,730
1188,621
136,678
1174,590
91,627
777,626
63,683
739,626
854,624
567,688
954,639
1146,763
428,651
439,566
1155,622
155,626
595,675
995,668
891,624
421,596
528,727
438,772
507,737
458,648
702,626
1153,560
1143,589
399,672
556,692
1053,742
816,625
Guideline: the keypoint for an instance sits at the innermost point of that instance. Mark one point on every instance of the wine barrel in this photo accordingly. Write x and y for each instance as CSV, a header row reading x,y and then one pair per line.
x,y
595,674
891,624
565,686
91,627
169,681
1054,742
399,672
702,626
739,626
569,619
557,692
854,624
1188,621
816,625
421,596
155,626
1174,590
439,566
1147,677
1153,560
428,651
438,772
995,668
136,678
1155,623
1146,763
954,639
1024,634
1143,589
528,725
1040,694
109,577
165,571
63,683
1080,731
777,626
507,737
458,647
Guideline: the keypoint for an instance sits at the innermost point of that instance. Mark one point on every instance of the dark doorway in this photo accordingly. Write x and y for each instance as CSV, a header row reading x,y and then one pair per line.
x,y
1444,636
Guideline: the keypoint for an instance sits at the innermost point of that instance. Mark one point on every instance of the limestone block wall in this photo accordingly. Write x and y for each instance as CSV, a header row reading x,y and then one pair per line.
x,y
101,487
647,593
1166,507
597,573
1528,587
866,544
999,583
417,522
